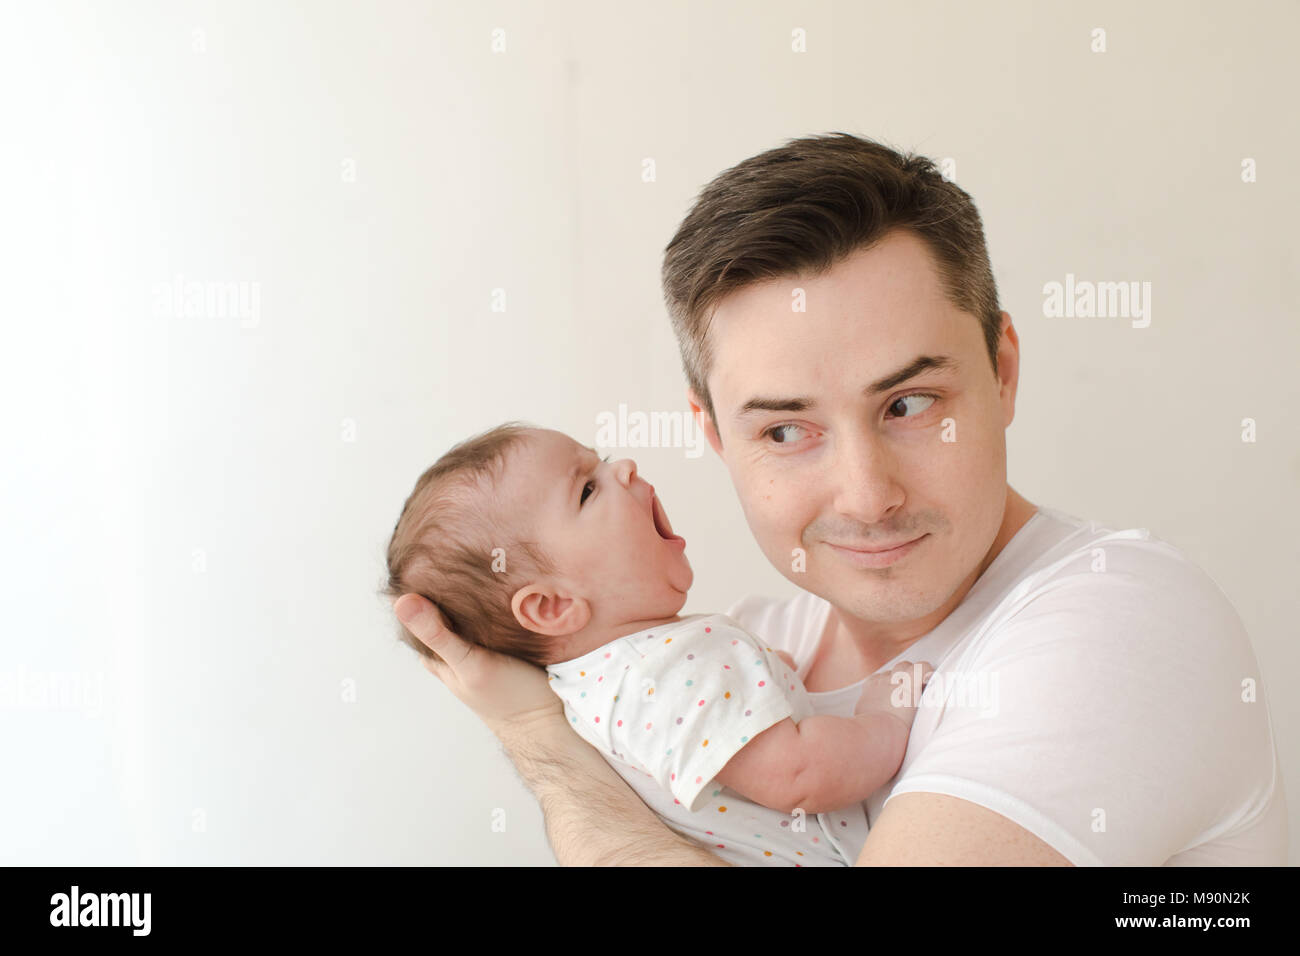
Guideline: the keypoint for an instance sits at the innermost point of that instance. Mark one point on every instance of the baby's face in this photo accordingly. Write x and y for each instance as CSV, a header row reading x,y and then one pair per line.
x,y
601,525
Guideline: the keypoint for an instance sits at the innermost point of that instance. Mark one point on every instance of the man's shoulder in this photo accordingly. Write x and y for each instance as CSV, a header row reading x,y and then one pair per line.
x,y
1079,555
1126,593
1133,564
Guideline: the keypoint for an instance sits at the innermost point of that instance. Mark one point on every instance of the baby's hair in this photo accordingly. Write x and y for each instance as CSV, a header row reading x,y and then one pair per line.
x,y
443,542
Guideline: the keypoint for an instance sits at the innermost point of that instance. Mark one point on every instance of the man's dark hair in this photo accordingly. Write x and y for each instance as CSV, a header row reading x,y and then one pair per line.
x,y
802,208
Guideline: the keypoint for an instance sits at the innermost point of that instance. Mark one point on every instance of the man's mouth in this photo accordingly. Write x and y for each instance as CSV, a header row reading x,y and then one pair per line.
x,y
877,558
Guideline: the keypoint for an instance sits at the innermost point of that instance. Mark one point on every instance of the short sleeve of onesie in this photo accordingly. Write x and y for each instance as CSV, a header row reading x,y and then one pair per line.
x,y
680,701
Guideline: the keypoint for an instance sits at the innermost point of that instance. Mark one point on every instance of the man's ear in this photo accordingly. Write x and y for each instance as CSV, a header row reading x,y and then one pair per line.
x,y
1008,368
548,611
703,421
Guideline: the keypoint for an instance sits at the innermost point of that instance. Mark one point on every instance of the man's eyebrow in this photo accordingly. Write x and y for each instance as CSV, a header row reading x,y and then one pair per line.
x,y
801,403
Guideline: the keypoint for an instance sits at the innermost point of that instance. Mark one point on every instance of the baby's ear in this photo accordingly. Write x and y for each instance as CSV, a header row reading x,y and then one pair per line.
x,y
550,612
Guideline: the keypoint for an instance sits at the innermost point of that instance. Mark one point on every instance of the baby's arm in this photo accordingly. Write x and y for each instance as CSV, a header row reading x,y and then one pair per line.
x,y
824,762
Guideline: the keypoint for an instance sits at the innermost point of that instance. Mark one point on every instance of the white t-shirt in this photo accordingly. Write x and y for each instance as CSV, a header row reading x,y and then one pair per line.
x,y
669,705
1123,732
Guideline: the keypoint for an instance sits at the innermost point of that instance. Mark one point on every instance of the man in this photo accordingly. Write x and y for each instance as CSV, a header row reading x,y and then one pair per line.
x,y
1095,700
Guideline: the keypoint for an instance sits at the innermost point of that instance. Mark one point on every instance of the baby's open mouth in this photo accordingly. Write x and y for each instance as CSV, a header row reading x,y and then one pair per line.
x,y
661,519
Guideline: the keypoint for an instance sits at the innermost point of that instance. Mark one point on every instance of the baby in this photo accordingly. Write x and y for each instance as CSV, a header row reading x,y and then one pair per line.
x,y
534,546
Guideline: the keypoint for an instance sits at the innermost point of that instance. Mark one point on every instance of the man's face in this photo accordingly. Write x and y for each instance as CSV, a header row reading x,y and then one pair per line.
x,y
827,464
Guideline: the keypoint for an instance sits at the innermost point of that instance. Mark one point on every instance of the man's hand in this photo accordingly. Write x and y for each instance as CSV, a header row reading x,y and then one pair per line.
x,y
593,818
507,694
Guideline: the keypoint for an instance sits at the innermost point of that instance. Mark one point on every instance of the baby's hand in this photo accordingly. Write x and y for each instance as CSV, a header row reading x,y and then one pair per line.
x,y
895,695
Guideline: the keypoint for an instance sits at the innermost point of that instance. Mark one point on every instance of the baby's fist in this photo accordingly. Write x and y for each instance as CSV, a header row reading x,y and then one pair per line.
x,y
897,690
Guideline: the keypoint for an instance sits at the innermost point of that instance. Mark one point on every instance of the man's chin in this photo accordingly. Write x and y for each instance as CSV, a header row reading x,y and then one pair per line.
x,y
869,597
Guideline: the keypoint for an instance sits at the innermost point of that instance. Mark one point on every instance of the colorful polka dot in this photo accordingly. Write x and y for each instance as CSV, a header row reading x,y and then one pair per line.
x,y
744,740
706,742
708,630
597,720
689,683
619,724
690,657
668,640
762,683
647,726
722,809
727,695
701,704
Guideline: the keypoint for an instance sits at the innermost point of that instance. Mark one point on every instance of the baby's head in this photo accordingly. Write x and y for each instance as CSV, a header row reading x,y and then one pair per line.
x,y
533,546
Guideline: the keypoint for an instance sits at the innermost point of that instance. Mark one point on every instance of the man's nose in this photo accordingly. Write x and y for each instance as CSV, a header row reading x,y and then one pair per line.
x,y
863,473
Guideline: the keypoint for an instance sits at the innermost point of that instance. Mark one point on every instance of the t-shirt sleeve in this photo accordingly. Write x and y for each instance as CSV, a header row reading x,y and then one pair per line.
x,y
691,703
1117,716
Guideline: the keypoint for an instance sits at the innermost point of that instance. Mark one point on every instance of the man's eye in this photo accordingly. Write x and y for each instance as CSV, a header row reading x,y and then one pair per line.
x,y
904,398
776,430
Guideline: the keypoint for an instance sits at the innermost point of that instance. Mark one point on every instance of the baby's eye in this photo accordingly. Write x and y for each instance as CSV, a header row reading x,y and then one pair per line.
x,y
590,484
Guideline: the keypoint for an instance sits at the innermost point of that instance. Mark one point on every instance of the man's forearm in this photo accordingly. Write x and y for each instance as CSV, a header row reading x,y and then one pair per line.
x,y
593,818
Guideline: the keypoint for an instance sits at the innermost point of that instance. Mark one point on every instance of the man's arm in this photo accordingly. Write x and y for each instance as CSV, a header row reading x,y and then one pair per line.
x,y
934,829
593,818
